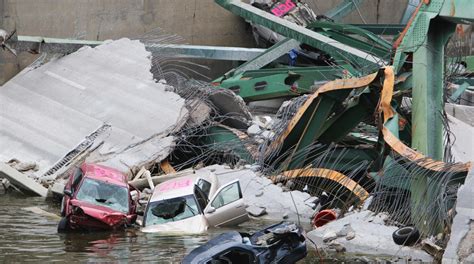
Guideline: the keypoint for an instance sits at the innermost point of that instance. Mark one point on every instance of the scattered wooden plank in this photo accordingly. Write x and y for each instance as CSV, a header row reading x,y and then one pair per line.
x,y
148,178
139,173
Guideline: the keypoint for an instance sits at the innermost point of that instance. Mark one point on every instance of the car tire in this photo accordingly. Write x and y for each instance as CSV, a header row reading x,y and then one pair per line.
x,y
406,236
63,225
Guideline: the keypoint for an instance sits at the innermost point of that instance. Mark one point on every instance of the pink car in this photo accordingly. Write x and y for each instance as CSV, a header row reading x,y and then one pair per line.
x,y
97,198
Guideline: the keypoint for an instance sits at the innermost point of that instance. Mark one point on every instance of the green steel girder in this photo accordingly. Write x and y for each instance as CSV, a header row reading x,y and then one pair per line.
x,y
315,122
280,82
321,72
338,126
335,49
222,139
350,29
428,84
382,29
296,132
284,46
425,39
450,11
359,44
271,54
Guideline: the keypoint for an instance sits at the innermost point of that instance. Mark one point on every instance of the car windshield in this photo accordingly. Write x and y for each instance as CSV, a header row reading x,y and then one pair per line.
x,y
170,210
104,194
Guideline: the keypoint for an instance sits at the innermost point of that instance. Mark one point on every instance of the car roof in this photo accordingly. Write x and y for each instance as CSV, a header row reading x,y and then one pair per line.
x,y
176,187
104,173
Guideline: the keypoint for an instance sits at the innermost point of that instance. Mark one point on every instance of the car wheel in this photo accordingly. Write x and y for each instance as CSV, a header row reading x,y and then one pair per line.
x,y
63,225
406,236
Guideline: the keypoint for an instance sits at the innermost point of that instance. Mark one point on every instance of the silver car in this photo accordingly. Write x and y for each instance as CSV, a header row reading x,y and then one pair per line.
x,y
191,204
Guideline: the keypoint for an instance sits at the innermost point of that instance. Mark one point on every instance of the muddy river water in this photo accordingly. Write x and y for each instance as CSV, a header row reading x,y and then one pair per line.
x,y
26,236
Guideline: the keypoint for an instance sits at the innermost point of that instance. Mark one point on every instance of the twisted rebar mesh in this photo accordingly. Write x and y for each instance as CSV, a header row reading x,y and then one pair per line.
x,y
416,195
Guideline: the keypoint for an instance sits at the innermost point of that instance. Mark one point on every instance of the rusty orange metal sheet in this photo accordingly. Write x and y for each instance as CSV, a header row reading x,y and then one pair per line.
x,y
386,94
339,84
166,167
395,143
332,175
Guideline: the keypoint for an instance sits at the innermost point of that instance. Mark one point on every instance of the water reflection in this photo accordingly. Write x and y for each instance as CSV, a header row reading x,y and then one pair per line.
x,y
28,236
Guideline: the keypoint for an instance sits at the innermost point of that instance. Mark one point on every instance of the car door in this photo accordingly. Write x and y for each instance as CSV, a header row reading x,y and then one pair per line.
x,y
226,207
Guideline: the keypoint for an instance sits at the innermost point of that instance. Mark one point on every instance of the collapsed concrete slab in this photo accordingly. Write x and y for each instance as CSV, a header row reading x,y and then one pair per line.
x,y
369,236
101,103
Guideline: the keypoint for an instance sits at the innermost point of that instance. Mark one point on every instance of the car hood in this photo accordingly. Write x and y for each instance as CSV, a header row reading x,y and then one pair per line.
x,y
102,213
193,225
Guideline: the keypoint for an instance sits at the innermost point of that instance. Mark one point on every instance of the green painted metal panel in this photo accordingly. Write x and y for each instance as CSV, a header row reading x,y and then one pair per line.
x,y
309,134
222,139
339,126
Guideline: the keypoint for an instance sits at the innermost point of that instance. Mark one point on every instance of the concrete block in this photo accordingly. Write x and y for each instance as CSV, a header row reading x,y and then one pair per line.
x,y
21,180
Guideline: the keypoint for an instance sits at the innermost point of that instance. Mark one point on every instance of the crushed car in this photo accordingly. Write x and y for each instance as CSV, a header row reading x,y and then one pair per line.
x,y
97,198
279,243
192,204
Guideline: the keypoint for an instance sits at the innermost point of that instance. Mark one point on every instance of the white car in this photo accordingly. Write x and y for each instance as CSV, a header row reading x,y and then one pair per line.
x,y
182,205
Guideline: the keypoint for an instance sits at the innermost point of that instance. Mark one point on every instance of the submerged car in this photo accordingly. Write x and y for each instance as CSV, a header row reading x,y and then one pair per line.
x,y
279,243
97,198
191,204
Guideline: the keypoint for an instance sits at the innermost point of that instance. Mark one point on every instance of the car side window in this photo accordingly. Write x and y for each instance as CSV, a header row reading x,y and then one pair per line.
x,y
233,256
205,186
227,195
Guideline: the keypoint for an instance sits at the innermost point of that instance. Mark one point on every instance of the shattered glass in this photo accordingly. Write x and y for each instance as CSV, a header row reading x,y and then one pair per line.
x,y
104,194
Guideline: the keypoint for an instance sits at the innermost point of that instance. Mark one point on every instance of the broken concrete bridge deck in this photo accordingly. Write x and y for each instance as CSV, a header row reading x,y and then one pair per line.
x,y
47,112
